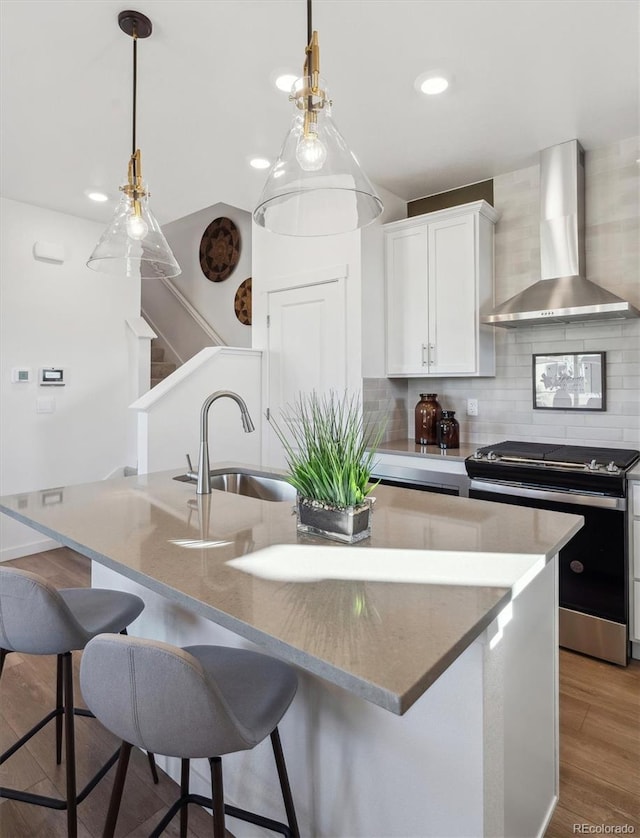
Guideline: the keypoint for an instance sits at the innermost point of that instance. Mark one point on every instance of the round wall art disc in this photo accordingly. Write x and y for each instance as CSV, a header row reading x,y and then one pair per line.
x,y
242,302
219,249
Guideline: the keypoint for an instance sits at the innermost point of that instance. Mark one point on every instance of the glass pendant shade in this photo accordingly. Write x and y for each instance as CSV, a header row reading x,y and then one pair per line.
x,y
316,186
133,244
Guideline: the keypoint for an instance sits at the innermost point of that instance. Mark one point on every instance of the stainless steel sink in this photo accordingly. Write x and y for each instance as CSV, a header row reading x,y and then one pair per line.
x,y
250,484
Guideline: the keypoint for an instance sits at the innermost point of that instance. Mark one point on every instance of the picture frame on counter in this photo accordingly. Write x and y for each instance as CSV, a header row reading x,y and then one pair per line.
x,y
569,381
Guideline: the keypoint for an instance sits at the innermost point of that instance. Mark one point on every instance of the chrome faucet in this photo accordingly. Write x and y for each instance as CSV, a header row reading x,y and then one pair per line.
x,y
203,479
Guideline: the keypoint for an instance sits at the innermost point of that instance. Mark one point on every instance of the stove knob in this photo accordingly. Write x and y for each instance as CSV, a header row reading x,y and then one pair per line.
x,y
613,468
477,455
593,465
492,456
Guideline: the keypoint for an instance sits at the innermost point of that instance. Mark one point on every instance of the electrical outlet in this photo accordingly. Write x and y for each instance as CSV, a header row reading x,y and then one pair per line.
x,y
472,407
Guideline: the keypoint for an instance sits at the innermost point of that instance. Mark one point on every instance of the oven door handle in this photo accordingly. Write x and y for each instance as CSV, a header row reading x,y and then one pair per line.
x,y
548,494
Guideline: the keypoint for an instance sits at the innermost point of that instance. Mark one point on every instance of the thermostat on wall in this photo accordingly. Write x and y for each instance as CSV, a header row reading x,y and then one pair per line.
x,y
51,377
21,375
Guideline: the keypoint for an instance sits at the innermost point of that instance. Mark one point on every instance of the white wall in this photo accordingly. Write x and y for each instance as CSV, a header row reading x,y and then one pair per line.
x,y
68,315
213,300
168,416
281,261
178,332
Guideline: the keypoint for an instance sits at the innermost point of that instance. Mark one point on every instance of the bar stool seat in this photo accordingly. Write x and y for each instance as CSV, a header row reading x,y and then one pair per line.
x,y
99,610
192,702
38,619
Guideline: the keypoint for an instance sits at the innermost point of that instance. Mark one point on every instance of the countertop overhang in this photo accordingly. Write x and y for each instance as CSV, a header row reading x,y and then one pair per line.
x,y
383,618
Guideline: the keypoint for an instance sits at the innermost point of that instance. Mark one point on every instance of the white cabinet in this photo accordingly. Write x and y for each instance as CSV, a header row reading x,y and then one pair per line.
x,y
438,279
634,562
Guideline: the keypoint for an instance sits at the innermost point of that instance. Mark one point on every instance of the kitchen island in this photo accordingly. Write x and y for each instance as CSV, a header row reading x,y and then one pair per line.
x,y
427,654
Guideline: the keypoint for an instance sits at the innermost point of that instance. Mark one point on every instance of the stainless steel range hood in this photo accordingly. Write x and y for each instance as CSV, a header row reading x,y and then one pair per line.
x,y
563,294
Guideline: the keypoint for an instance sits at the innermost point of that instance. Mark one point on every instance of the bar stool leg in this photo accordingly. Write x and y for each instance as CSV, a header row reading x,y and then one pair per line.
x,y
59,709
116,794
152,766
184,791
70,750
284,784
217,792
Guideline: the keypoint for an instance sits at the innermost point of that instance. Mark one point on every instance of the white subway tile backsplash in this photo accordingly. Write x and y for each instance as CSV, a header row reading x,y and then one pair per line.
x,y
549,418
604,344
537,334
605,419
594,330
596,435
568,345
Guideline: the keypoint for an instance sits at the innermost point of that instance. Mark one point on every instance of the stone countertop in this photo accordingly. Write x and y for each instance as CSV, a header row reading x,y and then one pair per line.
x,y
382,618
409,446
634,473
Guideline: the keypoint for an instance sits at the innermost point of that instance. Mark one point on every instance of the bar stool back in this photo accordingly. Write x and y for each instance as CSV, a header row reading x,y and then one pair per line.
x,y
200,701
38,619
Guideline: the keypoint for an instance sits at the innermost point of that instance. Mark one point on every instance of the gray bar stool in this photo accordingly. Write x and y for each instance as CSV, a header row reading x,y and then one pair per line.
x,y
38,619
196,702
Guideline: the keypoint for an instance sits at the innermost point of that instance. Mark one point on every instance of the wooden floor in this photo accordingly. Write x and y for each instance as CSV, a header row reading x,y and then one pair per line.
x,y
599,747
599,755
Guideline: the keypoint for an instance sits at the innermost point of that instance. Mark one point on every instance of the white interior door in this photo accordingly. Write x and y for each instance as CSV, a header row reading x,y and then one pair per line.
x,y
307,348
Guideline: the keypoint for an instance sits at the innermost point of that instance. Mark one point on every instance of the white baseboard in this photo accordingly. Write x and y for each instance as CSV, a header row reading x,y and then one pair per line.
x,y
9,553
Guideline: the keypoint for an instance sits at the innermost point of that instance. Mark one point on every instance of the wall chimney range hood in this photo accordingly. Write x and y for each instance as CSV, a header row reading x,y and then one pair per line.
x,y
563,294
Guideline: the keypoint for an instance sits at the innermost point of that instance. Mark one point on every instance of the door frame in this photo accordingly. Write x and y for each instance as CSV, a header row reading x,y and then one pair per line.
x,y
353,340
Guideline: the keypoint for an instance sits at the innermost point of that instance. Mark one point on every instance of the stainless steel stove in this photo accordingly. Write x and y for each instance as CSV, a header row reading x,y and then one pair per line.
x,y
593,569
574,468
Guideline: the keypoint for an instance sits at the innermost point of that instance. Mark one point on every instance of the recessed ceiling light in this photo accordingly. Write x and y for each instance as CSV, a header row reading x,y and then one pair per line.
x,y
432,83
94,195
285,82
259,163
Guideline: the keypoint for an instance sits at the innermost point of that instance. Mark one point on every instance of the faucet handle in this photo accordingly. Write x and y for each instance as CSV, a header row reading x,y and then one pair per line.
x,y
190,472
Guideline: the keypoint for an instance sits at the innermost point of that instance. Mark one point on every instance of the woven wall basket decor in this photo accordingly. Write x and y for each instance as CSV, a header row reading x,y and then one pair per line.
x,y
242,303
219,249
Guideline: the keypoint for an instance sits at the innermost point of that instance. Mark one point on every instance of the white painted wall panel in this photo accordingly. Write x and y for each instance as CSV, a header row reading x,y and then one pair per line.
x,y
69,315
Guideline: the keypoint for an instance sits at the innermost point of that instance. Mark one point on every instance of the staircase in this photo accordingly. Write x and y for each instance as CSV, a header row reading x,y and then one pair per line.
x,y
159,367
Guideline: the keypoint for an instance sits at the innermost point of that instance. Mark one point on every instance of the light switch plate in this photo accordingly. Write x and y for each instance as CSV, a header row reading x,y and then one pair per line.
x,y
45,404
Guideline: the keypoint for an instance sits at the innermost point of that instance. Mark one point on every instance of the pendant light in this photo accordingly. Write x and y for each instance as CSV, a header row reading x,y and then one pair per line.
x,y
133,244
316,186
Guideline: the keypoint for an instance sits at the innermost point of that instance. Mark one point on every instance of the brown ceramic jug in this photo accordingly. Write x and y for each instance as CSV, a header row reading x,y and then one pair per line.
x,y
449,430
428,412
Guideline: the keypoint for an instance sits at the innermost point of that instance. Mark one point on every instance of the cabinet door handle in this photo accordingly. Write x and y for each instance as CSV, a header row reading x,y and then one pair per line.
x,y
432,353
424,355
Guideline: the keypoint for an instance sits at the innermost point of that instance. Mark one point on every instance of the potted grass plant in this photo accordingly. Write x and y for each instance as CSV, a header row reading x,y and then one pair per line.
x,y
330,455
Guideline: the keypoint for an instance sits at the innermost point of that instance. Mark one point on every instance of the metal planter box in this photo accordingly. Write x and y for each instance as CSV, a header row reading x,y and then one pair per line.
x,y
348,525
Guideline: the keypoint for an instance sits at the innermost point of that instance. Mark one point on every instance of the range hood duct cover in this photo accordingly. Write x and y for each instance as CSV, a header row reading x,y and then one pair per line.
x,y
563,294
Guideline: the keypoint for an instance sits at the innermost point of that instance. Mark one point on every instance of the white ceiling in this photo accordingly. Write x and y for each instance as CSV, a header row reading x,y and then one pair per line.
x,y
526,74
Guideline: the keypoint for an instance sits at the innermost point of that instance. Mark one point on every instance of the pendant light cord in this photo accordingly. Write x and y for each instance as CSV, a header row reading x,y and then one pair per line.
x,y
135,85
308,62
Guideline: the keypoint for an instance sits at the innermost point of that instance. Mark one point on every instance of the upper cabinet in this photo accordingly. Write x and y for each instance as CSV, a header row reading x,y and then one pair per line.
x,y
438,280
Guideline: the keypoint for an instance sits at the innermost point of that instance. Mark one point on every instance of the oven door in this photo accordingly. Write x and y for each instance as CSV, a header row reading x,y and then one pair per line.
x,y
593,578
